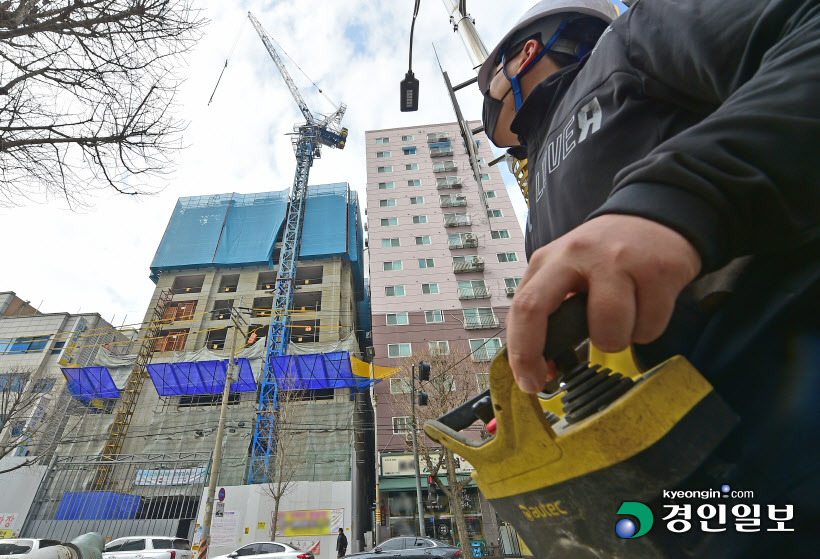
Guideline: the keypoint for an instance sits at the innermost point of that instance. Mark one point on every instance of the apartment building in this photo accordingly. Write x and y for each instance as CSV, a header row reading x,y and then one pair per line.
x,y
446,255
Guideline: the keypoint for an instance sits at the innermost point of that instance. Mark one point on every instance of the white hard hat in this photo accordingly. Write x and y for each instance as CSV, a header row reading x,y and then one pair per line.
x,y
602,9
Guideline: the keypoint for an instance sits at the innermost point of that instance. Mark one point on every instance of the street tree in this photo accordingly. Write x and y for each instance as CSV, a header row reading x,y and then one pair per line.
x,y
290,456
454,379
87,95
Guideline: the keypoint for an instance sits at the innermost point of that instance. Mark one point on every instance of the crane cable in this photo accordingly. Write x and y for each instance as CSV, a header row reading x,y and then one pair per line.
x,y
230,54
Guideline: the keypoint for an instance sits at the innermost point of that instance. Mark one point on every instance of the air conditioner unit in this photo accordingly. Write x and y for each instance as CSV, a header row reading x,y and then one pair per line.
x,y
477,260
510,291
470,237
408,437
461,196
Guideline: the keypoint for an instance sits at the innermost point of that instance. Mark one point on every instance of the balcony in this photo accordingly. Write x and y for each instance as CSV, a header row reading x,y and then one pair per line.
x,y
485,354
467,241
474,293
457,221
479,322
443,183
452,202
441,151
444,167
435,137
475,264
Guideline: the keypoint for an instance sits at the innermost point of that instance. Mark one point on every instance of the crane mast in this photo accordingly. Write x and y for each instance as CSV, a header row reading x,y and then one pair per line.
x,y
308,139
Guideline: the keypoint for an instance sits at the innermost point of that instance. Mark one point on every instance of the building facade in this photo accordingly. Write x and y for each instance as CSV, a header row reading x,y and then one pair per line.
x,y
446,254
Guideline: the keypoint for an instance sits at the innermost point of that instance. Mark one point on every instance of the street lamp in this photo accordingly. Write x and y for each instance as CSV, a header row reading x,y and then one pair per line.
x,y
423,370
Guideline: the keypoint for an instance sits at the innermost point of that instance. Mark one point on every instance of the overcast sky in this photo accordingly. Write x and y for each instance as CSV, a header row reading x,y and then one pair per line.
x,y
98,259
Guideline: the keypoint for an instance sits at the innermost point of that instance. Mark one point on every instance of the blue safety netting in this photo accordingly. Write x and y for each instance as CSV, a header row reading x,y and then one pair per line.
x,y
324,232
90,383
233,230
97,505
190,378
315,371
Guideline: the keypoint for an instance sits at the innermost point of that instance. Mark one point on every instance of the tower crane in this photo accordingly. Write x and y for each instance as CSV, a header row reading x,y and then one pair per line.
x,y
307,140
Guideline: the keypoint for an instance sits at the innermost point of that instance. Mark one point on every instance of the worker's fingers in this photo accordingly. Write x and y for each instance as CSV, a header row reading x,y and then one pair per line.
x,y
611,311
654,303
535,299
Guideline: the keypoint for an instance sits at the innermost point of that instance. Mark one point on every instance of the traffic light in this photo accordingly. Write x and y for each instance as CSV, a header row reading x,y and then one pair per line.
x,y
432,489
422,398
423,370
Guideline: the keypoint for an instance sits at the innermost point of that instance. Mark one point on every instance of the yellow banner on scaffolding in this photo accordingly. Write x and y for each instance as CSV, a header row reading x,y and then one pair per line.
x,y
362,369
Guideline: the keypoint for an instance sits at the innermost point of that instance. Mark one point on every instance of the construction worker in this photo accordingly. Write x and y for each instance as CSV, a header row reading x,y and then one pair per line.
x,y
673,177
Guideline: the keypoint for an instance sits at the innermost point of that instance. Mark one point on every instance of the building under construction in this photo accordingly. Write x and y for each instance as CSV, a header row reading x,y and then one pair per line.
x,y
142,464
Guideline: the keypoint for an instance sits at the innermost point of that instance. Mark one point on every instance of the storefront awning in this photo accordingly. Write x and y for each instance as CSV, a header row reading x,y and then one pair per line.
x,y
190,378
90,383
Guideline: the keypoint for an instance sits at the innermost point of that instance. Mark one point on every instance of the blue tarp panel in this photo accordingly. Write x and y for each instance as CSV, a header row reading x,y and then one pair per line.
x,y
90,383
232,230
316,370
190,378
97,505
251,229
324,232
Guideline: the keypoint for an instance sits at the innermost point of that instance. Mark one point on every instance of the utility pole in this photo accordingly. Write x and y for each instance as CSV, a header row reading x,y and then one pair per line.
x,y
415,449
463,25
217,454
377,512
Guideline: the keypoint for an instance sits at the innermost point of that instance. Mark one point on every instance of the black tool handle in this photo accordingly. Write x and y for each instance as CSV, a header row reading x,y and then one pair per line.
x,y
566,329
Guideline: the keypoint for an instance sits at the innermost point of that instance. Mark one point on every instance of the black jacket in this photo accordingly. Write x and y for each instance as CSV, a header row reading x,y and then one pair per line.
x,y
703,115
341,543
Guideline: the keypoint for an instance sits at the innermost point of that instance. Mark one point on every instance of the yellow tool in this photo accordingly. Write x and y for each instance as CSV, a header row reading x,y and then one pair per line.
x,y
560,480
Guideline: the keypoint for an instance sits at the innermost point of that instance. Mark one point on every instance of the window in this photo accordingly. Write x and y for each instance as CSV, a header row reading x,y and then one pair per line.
x,y
229,283
386,185
262,306
472,289
425,240
407,139
416,200
481,317
511,282
414,182
409,151
401,425
394,291
26,344
382,140
484,349
58,347
385,169
419,219
494,213
133,545
392,266
382,154
269,548
389,221
507,257
397,319
387,243
485,176
398,350
161,544
222,309
457,259
443,383
482,381
400,386
500,234
489,193
439,348
387,203
429,288
411,167
265,280
426,263
433,316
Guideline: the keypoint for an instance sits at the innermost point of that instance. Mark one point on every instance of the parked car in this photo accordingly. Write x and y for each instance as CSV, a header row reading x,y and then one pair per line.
x,y
268,550
148,547
21,546
410,548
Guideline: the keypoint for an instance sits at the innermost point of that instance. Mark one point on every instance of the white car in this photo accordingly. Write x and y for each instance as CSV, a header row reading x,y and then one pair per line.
x,y
267,550
22,546
148,547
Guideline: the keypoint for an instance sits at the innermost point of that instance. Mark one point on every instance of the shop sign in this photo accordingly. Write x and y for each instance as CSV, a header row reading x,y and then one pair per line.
x,y
297,523
403,465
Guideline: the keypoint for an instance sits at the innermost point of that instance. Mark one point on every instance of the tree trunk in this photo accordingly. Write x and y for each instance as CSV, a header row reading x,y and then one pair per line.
x,y
274,519
455,505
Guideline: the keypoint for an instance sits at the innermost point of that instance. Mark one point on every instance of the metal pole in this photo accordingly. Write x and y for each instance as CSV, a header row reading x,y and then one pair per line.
x,y
463,25
376,451
415,450
217,454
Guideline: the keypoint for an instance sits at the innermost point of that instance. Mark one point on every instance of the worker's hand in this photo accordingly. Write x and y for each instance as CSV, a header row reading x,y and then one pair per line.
x,y
632,269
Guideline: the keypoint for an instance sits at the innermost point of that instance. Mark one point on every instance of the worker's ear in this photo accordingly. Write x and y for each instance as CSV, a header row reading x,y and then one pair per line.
x,y
530,52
